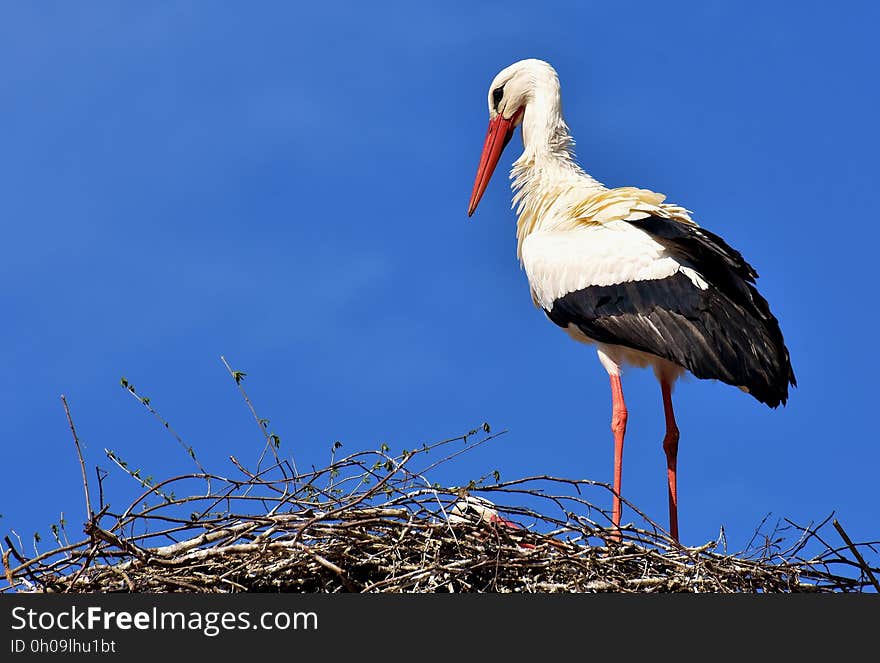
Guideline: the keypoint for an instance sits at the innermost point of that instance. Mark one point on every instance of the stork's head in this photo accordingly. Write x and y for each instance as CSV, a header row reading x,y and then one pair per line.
x,y
510,92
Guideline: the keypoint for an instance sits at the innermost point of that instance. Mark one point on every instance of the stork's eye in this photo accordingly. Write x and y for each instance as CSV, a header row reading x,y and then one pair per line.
x,y
497,95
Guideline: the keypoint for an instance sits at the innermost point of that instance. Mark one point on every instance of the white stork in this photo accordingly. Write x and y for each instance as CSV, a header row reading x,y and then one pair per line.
x,y
623,270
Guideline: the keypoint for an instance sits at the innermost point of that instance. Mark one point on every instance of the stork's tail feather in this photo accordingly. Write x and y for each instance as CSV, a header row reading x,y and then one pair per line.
x,y
770,372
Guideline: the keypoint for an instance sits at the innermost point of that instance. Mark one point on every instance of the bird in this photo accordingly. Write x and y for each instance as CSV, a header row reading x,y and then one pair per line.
x,y
477,510
627,272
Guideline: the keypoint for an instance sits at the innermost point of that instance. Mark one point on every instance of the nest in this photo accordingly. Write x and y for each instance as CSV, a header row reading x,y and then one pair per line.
x,y
373,521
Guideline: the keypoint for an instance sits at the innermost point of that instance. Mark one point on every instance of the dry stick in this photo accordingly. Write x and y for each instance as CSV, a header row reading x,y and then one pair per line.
x,y
864,566
151,488
269,443
366,495
50,553
327,564
98,471
814,533
468,446
806,535
7,568
82,465
576,483
255,479
188,448
125,577
21,560
123,544
180,583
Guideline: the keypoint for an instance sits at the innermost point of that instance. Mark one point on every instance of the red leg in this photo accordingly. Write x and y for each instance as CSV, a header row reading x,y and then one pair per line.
x,y
670,446
618,427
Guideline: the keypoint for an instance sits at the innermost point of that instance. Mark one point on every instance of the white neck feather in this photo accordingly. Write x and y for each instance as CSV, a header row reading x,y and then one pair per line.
x,y
546,178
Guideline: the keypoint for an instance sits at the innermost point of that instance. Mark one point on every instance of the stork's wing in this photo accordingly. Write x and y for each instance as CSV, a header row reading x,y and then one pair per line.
x,y
666,287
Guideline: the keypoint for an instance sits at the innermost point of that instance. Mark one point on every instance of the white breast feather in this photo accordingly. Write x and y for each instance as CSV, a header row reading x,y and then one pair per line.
x,y
561,262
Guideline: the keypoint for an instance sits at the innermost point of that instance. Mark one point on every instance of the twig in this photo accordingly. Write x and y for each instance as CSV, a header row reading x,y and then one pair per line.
x,y
270,443
7,568
862,564
349,585
143,400
101,478
82,464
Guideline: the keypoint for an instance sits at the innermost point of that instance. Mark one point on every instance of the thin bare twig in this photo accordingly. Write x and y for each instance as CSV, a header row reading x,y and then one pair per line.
x,y
79,455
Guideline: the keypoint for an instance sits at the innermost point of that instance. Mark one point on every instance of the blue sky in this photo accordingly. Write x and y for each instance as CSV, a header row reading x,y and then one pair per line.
x,y
287,185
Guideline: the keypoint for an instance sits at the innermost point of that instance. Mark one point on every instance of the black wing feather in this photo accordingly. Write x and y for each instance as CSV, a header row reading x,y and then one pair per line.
x,y
725,332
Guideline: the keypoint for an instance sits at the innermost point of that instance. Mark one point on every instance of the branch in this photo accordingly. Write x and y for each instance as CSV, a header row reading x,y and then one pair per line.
x,y
82,465
862,564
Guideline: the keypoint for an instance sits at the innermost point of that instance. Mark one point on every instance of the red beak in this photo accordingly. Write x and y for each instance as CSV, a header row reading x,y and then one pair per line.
x,y
497,137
